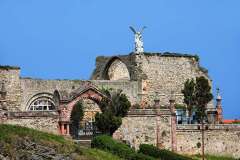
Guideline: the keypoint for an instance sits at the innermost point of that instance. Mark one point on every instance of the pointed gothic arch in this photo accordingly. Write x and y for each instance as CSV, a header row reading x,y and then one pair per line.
x,y
115,69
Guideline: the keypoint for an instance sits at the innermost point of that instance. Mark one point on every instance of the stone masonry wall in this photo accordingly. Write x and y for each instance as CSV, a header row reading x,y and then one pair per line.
x,y
145,127
32,87
165,74
157,74
43,121
130,88
117,71
219,140
10,77
137,130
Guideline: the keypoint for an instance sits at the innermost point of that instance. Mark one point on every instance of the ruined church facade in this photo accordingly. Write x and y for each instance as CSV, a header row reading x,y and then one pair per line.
x,y
152,80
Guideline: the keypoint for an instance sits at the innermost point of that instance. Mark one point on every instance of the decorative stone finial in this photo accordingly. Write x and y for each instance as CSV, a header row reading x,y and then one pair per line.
x,y
156,100
172,97
138,40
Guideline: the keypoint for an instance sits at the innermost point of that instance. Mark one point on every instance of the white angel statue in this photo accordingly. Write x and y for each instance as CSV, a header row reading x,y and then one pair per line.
x,y
138,40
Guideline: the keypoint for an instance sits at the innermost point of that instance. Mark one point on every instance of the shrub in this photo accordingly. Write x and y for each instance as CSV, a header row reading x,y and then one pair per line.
x,y
106,143
153,151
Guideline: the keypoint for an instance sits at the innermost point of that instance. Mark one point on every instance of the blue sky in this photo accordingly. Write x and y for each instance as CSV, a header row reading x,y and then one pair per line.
x,y
61,39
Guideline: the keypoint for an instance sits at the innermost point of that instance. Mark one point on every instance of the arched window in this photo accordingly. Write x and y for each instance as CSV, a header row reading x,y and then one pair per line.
x,y
42,104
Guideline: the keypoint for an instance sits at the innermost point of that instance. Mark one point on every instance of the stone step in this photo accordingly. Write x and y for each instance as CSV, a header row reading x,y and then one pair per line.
x,y
85,143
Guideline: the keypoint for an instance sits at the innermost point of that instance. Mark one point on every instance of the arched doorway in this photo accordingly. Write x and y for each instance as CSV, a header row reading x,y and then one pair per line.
x,y
82,119
90,97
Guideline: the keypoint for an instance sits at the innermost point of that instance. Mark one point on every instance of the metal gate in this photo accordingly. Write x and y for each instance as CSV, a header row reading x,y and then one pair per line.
x,y
88,130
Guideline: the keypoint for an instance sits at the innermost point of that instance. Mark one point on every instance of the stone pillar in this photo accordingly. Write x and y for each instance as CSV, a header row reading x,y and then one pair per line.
x,y
62,129
68,133
158,139
173,124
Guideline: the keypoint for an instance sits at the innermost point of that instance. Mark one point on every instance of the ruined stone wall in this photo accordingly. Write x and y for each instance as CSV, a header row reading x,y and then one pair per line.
x,y
103,63
166,74
157,74
10,77
146,127
130,88
117,71
43,121
137,130
32,87
150,127
219,140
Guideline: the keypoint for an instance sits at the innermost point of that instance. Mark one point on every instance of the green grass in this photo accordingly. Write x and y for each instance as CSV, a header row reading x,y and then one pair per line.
x,y
11,135
211,157
99,154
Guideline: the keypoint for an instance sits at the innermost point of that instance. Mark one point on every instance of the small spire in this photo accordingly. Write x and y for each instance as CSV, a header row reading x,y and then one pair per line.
x,y
218,94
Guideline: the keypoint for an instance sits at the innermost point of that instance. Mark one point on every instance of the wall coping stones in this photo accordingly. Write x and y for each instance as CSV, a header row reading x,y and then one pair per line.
x,y
148,112
30,114
7,67
195,127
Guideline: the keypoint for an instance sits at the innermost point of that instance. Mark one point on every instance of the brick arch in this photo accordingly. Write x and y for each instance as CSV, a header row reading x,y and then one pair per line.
x,y
65,109
123,74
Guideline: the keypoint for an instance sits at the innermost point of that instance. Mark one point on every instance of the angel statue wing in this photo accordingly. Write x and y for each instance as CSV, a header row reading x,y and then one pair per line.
x,y
143,29
134,31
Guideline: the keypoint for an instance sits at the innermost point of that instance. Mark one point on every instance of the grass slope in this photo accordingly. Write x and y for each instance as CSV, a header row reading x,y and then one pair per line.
x,y
11,137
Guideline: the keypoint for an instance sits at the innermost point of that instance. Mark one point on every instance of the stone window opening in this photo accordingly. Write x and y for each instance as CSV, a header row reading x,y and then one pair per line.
x,y
42,104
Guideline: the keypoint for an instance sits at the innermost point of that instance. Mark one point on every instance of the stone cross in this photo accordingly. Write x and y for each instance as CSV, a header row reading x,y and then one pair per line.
x,y
138,40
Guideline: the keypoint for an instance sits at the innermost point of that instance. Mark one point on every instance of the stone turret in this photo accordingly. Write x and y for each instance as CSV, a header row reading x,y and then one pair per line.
x,y
219,116
10,89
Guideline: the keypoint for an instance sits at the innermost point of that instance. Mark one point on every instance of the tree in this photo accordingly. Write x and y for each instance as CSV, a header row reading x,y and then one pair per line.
x,y
107,123
198,94
189,96
203,97
76,116
114,106
116,102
